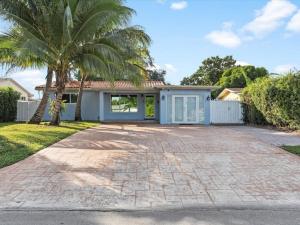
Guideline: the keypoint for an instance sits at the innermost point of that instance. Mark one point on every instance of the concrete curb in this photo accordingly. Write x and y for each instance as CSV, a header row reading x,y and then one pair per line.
x,y
204,207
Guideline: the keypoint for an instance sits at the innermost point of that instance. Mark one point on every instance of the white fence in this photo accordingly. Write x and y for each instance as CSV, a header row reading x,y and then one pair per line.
x,y
226,112
26,109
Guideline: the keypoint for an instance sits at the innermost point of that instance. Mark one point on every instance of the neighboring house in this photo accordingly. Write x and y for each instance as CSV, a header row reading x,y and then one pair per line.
x,y
8,82
230,94
167,104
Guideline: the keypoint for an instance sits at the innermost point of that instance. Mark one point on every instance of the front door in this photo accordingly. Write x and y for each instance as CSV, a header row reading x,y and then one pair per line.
x,y
185,109
150,107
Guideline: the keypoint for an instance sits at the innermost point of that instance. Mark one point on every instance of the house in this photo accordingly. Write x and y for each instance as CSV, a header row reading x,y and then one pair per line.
x,y
8,82
153,101
230,94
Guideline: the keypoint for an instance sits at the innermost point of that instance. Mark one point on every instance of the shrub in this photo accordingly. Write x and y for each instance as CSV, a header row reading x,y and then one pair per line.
x,y
8,104
239,77
250,113
276,99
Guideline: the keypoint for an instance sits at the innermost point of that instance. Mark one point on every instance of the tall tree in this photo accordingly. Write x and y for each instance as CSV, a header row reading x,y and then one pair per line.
x,y
66,34
40,111
210,71
159,75
239,77
10,58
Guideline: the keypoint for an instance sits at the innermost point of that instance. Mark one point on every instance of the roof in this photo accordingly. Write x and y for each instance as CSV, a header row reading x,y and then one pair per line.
x,y
125,86
234,90
106,85
17,84
229,90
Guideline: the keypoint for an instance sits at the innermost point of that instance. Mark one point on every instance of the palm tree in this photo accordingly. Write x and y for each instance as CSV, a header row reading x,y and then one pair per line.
x,y
10,58
40,111
63,33
129,43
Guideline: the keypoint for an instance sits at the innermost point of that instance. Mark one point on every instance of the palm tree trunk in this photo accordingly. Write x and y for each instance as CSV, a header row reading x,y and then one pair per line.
x,y
79,99
60,87
39,113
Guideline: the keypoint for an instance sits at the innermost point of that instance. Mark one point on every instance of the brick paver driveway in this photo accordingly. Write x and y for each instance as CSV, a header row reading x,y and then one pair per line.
x,y
153,166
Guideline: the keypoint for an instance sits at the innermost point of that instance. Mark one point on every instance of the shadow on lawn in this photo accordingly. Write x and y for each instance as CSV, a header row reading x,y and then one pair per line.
x,y
11,152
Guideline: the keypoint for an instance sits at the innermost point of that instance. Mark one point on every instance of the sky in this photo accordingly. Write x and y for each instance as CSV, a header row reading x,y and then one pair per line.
x,y
185,32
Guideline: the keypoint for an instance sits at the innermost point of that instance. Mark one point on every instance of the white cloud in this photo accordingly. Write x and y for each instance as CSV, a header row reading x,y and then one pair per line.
x,y
225,38
294,23
170,68
242,63
270,17
179,5
154,67
284,68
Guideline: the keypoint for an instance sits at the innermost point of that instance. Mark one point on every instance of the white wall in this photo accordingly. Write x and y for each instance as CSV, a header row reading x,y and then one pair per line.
x,y
232,97
226,112
8,83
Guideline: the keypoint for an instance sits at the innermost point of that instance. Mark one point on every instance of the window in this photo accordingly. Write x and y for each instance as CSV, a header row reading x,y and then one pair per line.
x,y
23,98
124,103
69,98
73,98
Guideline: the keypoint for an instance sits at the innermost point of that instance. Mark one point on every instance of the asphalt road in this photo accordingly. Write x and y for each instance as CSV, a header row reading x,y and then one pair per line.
x,y
203,217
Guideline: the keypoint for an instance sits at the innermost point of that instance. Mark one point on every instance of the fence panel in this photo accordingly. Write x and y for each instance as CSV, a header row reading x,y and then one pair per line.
x,y
26,109
226,112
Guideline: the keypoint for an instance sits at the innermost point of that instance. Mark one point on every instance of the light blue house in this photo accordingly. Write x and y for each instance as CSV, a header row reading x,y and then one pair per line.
x,y
153,101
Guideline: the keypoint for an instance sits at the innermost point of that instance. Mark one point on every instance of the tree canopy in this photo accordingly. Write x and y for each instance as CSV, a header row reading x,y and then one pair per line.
x,y
90,35
241,76
158,75
210,71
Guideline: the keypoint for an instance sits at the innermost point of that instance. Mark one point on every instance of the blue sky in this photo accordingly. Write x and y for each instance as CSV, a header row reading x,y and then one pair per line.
x,y
257,32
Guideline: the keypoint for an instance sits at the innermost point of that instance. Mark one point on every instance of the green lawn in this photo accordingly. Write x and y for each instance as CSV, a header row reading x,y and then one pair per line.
x,y
292,149
20,140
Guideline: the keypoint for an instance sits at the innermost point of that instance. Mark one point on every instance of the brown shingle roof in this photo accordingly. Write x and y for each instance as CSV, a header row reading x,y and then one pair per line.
x,y
106,85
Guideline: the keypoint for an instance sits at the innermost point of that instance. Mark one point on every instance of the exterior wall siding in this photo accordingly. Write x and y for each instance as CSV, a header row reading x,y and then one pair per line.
x,y
89,108
166,104
96,106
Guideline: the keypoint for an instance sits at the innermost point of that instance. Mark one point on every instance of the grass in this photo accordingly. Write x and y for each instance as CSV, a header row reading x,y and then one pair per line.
x,y
292,149
20,140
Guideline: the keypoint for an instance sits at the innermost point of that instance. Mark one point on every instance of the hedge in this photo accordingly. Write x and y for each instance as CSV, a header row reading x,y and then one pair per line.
x,y
8,104
274,100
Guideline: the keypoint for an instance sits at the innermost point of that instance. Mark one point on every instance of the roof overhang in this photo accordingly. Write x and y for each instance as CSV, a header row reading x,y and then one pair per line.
x,y
187,87
226,91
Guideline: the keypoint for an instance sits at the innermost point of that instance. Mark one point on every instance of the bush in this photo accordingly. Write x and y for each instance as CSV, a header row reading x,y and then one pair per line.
x,y
8,104
239,77
250,113
276,99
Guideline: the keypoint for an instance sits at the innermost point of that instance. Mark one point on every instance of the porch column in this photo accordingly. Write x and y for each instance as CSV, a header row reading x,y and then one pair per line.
x,y
101,106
